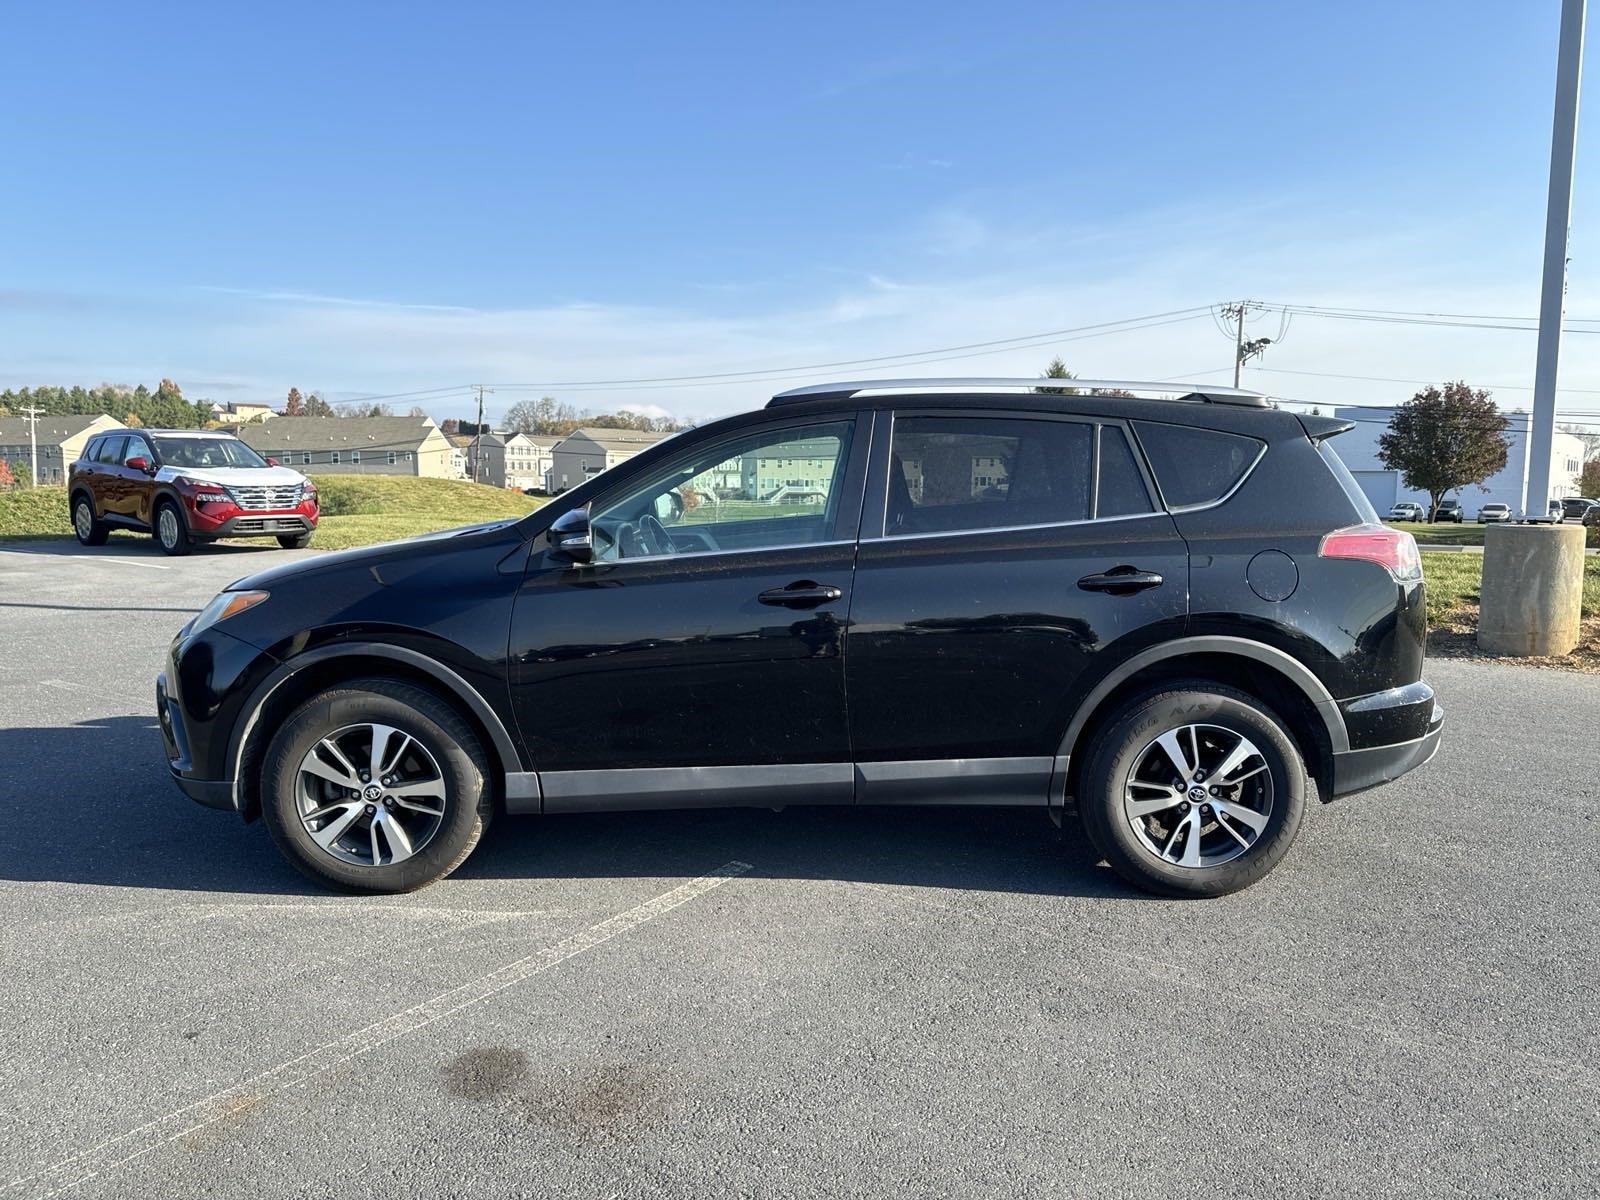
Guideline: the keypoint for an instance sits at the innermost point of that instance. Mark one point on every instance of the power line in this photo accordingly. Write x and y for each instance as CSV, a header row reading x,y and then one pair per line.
x,y
939,354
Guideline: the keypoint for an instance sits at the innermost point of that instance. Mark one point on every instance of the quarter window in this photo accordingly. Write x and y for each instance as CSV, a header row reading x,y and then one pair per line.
x,y
951,474
1196,466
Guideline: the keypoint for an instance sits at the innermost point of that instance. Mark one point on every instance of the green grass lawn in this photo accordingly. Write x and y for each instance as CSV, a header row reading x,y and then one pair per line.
x,y
357,510
1453,590
1443,533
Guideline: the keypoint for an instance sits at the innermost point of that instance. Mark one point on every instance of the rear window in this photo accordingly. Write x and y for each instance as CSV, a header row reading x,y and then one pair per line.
x,y
1196,466
1347,481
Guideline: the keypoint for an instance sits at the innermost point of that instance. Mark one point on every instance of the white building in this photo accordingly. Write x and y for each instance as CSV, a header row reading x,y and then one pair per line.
x,y
1385,488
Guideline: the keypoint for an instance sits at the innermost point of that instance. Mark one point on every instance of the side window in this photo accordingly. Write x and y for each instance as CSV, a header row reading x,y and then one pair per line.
x,y
136,448
111,451
1196,466
1122,492
948,474
770,488
333,456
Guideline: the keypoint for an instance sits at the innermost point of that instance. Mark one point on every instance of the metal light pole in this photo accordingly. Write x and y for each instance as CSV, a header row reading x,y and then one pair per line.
x,y
1558,216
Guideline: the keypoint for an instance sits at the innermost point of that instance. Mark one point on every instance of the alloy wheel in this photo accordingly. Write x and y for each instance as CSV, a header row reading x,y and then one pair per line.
x,y
167,527
370,795
1198,796
83,520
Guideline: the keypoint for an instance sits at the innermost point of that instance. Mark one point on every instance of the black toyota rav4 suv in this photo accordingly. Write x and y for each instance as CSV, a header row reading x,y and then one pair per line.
x,y
1172,617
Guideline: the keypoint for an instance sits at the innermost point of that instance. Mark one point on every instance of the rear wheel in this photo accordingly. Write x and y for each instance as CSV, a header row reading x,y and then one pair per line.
x,y
1196,790
294,541
171,534
376,786
90,530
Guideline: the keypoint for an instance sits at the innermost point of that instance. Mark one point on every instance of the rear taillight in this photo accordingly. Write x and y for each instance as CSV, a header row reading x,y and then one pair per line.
x,y
1393,549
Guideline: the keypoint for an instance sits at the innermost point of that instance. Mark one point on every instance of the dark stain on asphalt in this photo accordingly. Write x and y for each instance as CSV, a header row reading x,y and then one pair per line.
x,y
486,1073
611,1102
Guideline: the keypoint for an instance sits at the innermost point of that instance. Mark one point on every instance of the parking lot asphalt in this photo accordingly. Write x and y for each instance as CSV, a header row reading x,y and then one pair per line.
x,y
807,1003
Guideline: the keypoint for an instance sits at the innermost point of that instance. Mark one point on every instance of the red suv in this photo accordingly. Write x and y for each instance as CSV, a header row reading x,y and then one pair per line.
x,y
184,486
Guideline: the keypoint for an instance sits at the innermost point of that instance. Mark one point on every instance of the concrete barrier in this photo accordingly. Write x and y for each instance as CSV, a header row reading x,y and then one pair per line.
x,y
1532,589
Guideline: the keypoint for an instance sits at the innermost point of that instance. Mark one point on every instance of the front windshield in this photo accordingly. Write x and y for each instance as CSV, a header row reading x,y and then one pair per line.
x,y
206,452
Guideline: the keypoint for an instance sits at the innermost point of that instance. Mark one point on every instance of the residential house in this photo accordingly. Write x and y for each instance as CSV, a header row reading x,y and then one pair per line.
x,y
354,445
790,472
486,459
460,449
58,439
528,460
586,452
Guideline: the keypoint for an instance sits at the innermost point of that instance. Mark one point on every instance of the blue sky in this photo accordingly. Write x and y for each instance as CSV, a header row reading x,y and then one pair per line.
x,y
376,199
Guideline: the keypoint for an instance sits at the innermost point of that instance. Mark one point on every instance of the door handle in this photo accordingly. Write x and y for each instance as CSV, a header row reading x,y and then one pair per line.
x,y
803,594
1120,581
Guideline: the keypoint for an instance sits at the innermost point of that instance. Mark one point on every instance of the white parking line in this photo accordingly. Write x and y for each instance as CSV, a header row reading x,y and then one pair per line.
x,y
134,562
136,1143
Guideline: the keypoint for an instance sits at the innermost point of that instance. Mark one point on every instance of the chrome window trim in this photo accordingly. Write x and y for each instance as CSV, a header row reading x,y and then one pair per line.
x,y
912,537
617,562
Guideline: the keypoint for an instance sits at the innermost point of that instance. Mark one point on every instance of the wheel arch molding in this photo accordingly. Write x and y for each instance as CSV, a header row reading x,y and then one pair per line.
x,y
1315,721
327,666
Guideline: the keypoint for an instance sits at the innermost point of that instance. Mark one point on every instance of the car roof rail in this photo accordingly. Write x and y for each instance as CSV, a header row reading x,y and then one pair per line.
x,y
1165,389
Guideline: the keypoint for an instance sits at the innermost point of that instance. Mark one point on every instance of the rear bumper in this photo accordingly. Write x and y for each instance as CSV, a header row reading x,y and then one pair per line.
x,y
1357,770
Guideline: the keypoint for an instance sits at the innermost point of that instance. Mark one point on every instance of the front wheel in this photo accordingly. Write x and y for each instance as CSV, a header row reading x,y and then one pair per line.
x,y
375,786
1196,790
294,541
172,535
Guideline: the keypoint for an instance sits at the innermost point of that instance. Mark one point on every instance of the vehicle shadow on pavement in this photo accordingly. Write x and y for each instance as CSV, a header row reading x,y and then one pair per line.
x,y
978,849
98,808
137,546
91,803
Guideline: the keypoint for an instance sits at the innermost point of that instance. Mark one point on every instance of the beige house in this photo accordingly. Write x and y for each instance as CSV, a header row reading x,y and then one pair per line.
x,y
586,452
354,445
59,440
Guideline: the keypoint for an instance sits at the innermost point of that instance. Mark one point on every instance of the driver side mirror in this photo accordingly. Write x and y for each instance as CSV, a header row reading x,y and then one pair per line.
x,y
272,462
140,463
667,507
570,538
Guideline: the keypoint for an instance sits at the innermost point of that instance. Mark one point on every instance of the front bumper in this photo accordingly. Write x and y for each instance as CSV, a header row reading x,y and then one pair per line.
x,y
1358,770
213,793
261,525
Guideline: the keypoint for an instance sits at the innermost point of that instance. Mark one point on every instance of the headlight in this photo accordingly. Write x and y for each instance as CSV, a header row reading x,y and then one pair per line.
x,y
223,606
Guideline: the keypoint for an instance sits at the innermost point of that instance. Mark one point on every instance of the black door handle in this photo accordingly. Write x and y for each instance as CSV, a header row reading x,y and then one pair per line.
x,y
1120,581
803,594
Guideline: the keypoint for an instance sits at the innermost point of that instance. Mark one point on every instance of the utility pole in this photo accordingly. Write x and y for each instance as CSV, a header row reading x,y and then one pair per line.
x,y
1243,351
33,444
1557,228
477,438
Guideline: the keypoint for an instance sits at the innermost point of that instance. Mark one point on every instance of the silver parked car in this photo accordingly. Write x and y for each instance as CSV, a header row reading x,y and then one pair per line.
x,y
1491,513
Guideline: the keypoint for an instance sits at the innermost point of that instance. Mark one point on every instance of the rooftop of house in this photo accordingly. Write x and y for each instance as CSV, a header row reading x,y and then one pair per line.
x,y
338,433
51,429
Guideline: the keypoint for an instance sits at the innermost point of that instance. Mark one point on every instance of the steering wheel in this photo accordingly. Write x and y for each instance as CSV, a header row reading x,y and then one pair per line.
x,y
654,535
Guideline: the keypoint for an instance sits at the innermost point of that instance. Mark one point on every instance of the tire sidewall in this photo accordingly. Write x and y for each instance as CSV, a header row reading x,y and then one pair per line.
x,y
83,502
425,719
1118,751
181,545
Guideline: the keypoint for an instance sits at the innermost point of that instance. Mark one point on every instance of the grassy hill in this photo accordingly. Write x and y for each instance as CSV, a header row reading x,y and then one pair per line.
x,y
356,509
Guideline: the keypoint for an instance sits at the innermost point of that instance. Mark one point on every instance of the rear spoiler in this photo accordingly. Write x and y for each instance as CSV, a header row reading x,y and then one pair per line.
x,y
1321,428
